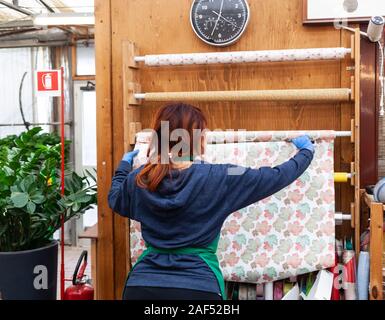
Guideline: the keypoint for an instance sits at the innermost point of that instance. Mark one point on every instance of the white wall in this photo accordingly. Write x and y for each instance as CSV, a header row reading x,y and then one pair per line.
x,y
13,64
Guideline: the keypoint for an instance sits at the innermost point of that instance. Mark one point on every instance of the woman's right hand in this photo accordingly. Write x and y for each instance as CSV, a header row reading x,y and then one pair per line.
x,y
129,156
303,142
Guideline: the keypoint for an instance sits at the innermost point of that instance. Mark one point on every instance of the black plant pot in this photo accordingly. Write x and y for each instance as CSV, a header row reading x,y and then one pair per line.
x,y
29,275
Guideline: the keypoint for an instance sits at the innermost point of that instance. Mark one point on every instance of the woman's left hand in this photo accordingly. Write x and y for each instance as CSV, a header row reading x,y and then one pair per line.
x,y
129,157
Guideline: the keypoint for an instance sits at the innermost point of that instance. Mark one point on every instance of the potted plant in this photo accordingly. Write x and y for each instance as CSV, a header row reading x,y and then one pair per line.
x,y
31,207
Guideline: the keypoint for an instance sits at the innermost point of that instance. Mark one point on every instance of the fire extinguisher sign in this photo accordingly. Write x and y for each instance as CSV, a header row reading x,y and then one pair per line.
x,y
48,83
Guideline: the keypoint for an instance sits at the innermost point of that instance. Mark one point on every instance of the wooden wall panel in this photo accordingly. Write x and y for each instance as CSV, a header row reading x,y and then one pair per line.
x,y
163,26
369,113
155,32
105,260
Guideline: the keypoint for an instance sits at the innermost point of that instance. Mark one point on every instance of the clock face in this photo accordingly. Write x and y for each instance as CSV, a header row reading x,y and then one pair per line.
x,y
219,22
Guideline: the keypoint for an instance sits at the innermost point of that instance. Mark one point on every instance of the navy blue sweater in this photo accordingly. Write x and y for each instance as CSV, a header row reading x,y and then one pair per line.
x,y
188,210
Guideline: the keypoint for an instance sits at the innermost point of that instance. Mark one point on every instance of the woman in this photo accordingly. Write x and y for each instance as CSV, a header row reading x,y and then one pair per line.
x,y
182,206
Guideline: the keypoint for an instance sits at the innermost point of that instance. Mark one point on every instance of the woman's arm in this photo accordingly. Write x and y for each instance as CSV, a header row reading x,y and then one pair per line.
x,y
119,196
256,184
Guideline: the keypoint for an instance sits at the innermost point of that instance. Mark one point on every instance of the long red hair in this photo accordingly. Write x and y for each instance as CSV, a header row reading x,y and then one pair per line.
x,y
178,116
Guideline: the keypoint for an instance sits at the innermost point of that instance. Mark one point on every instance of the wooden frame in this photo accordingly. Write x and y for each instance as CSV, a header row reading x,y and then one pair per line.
x,y
330,20
131,86
376,246
114,138
75,76
105,244
356,54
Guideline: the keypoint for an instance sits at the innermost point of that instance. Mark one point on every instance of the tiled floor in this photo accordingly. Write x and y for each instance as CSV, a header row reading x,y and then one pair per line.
x,y
71,256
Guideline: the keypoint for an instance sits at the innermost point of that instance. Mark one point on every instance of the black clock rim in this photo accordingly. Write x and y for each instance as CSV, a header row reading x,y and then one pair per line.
x,y
225,44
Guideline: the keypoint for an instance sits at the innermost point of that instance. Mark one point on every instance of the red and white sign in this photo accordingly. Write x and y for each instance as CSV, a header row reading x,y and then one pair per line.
x,y
48,83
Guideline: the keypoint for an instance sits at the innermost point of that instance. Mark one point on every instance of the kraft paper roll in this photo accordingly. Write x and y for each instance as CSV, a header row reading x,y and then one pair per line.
x,y
244,57
319,95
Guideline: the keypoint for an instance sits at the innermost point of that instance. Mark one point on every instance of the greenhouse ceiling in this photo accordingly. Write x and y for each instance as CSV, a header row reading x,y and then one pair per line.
x,y
34,17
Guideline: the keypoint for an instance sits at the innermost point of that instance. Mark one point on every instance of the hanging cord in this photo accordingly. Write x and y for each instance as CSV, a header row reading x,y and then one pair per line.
x,y
382,112
26,124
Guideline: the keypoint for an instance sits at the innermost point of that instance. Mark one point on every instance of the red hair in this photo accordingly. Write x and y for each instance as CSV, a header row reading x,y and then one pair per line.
x,y
178,116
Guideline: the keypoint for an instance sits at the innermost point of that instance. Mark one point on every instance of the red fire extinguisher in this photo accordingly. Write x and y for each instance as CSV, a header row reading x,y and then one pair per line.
x,y
81,288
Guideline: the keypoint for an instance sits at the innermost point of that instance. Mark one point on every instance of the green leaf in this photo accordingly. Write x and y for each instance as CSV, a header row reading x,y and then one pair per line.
x,y
84,199
3,229
31,207
92,176
76,206
19,199
27,183
37,198
8,171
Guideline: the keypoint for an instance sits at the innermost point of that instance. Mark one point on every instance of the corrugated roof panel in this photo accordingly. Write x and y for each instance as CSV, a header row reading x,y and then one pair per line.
x,y
7,14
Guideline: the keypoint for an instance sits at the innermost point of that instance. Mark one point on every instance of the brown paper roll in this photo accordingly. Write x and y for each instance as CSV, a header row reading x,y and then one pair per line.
x,y
254,95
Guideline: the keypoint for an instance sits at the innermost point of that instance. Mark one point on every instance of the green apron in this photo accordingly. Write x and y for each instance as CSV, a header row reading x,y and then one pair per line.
x,y
208,255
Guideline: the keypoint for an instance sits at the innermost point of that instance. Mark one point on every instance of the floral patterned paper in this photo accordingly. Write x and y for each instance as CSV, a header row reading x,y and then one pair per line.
x,y
287,234
246,56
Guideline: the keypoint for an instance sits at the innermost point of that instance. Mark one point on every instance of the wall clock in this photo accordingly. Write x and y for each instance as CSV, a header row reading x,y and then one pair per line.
x,y
219,22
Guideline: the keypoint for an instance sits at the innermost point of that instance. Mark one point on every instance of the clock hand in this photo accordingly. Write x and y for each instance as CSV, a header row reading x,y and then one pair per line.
x,y
228,21
216,22
220,11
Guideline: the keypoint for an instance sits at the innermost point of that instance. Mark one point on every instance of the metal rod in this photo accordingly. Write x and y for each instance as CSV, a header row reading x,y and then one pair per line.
x,y
343,133
342,177
34,124
46,6
31,44
342,216
140,59
226,137
244,57
16,8
340,94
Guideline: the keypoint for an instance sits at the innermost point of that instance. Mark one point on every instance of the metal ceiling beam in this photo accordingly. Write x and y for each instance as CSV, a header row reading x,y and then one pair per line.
x,y
46,6
32,43
11,33
17,24
41,36
16,8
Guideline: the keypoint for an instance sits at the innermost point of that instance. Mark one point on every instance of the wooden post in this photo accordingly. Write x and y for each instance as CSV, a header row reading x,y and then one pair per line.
x,y
357,115
131,107
105,245
376,250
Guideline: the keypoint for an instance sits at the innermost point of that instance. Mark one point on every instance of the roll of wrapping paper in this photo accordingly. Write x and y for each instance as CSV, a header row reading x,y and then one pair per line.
x,y
309,283
341,177
287,286
251,292
245,56
278,290
217,137
349,261
269,291
320,95
336,285
242,291
260,292
363,276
